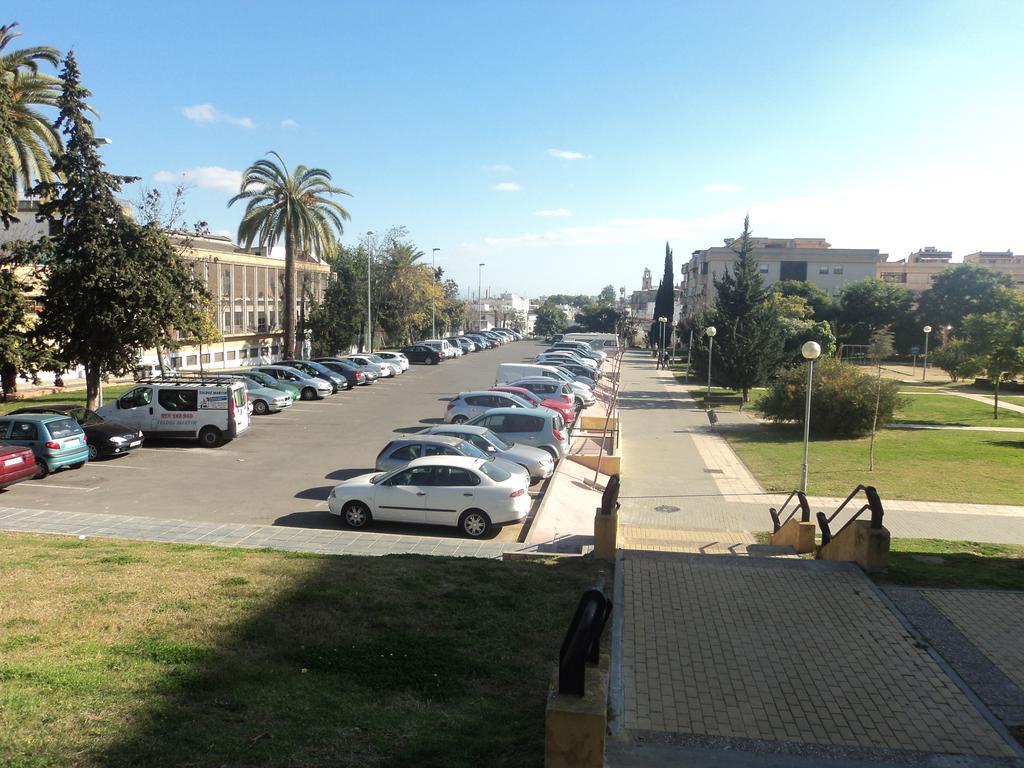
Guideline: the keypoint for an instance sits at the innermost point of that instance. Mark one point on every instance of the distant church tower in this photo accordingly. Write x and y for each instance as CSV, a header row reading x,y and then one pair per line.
x,y
647,280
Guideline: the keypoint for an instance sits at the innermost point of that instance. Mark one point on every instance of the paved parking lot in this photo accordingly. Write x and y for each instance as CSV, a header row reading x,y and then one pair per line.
x,y
281,471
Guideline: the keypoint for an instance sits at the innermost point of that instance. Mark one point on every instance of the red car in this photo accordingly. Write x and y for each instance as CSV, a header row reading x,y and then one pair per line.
x,y
16,464
566,410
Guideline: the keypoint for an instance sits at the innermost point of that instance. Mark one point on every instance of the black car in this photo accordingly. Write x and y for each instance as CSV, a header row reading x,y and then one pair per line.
x,y
318,371
105,438
420,353
344,368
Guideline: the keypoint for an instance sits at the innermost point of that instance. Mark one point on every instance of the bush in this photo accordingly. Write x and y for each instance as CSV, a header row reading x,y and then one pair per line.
x,y
954,357
842,402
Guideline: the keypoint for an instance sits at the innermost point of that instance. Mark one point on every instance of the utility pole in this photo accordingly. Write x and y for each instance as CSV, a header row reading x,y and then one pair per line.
x,y
480,297
433,310
369,316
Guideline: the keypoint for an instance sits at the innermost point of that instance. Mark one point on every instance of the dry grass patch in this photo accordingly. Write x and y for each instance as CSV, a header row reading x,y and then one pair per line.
x,y
116,654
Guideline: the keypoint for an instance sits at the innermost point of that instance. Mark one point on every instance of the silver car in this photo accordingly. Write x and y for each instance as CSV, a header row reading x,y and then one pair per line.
x,y
396,358
538,463
466,405
538,427
365,363
309,388
264,399
401,451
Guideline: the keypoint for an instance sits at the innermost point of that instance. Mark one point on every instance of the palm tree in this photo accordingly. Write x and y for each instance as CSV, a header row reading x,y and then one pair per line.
x,y
292,205
32,140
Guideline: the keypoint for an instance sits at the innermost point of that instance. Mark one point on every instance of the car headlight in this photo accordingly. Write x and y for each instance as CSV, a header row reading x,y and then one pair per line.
x,y
118,440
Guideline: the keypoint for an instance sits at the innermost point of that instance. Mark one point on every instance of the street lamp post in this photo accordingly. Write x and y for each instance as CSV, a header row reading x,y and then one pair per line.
x,y
811,350
369,315
924,368
479,296
662,320
433,310
711,331
689,356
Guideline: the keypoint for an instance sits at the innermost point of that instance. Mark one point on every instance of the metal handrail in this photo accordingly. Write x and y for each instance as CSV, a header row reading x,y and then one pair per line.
x,y
802,505
583,639
874,504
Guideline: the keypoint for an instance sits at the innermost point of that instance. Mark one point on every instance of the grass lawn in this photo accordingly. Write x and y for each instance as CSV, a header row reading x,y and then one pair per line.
x,y
933,465
70,396
937,563
118,654
950,409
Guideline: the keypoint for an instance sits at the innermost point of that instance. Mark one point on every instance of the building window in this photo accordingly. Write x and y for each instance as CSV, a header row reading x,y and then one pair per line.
x,y
175,362
763,268
704,268
895,277
231,355
218,357
837,269
823,269
264,350
275,350
192,360
206,358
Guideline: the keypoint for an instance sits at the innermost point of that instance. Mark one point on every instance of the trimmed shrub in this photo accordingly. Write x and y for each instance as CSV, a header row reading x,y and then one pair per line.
x,y
842,402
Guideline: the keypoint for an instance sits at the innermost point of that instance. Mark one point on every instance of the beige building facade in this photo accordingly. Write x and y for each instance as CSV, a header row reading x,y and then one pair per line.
x,y
918,270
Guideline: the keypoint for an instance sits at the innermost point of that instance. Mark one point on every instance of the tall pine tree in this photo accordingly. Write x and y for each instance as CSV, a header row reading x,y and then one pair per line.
x,y
664,303
749,347
113,287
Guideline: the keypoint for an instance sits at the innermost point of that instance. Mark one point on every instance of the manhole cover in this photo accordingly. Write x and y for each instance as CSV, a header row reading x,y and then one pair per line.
x,y
714,471
666,508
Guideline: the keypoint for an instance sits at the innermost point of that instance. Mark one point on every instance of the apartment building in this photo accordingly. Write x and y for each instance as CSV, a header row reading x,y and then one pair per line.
x,y
487,312
801,258
918,270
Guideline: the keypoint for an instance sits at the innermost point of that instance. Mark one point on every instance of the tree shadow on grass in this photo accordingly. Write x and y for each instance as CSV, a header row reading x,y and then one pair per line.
x,y
1007,443
350,661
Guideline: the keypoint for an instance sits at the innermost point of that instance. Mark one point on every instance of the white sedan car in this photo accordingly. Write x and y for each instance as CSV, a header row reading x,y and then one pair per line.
x,y
471,494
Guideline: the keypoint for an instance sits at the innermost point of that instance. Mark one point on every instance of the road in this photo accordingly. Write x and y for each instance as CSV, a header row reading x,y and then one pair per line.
x,y
281,470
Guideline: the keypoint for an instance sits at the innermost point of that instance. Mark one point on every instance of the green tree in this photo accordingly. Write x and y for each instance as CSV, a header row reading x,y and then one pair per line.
x,y
550,319
962,290
956,358
997,341
607,296
293,206
337,322
820,303
664,303
597,318
112,287
748,348
29,139
866,306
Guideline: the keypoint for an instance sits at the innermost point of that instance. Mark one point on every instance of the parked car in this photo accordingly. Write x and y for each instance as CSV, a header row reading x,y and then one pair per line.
x,y
588,376
346,368
538,463
395,357
394,366
309,388
210,409
17,463
554,403
543,386
466,405
467,345
401,451
265,399
581,348
421,353
441,346
486,342
105,438
457,348
471,494
314,370
269,381
366,364
568,356
57,441
538,427
151,371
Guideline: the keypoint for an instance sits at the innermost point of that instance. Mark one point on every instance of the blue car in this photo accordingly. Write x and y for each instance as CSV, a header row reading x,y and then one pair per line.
x,y
57,441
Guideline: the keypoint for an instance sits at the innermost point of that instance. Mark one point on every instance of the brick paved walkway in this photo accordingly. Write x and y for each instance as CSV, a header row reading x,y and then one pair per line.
x,y
331,542
800,653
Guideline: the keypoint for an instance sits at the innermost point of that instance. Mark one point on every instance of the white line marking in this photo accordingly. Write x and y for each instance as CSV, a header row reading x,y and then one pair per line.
x,y
65,487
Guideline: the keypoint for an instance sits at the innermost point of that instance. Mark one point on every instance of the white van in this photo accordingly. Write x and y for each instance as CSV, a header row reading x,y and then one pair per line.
x,y
509,372
211,410
441,345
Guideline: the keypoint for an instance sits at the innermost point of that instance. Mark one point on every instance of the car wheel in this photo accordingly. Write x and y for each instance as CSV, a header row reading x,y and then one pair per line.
x,y
431,361
475,523
459,419
94,452
209,437
260,407
77,465
308,393
44,469
356,514
550,452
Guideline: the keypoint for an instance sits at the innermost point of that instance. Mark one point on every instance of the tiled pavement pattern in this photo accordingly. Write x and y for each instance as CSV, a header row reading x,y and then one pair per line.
x,y
784,651
992,621
248,536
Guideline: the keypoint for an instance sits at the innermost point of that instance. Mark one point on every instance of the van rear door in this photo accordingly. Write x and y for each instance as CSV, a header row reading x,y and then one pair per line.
x,y
240,418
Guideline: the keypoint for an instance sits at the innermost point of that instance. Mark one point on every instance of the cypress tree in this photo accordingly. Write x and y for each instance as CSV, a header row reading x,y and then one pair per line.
x,y
664,302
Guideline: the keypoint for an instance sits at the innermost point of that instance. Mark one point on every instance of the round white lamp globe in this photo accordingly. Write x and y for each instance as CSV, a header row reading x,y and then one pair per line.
x,y
811,350
711,331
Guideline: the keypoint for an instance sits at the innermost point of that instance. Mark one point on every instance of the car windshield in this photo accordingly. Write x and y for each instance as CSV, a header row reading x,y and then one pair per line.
x,y
63,428
495,473
468,449
377,358
497,442
87,417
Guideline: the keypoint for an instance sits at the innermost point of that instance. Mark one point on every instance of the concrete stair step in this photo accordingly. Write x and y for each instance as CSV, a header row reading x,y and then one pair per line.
x,y
741,543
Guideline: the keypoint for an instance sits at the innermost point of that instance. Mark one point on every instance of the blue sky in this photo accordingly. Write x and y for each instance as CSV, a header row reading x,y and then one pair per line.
x,y
563,143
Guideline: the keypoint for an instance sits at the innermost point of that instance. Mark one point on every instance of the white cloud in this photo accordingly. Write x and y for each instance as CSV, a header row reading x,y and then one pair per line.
x,y
554,213
721,187
507,186
565,154
502,168
204,177
207,113
289,124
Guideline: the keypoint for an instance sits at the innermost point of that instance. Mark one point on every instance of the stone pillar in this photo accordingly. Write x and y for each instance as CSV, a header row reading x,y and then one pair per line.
x,y
861,544
795,534
576,726
606,528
